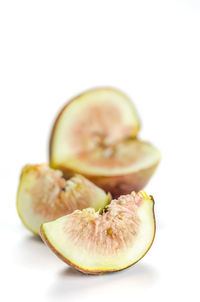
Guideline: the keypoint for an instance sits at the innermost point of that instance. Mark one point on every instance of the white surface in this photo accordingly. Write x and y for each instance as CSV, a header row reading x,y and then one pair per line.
x,y
52,50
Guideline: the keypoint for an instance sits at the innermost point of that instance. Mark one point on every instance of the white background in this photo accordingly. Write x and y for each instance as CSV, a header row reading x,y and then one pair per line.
x,y
53,50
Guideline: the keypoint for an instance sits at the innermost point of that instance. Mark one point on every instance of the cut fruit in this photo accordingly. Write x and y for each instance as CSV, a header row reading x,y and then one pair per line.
x,y
99,243
95,135
44,195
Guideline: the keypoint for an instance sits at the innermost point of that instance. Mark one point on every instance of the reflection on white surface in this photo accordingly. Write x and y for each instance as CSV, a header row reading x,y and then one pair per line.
x,y
71,283
53,280
32,253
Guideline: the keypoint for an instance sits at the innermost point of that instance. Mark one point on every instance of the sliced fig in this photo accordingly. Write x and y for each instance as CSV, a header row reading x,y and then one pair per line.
x,y
97,243
95,135
44,195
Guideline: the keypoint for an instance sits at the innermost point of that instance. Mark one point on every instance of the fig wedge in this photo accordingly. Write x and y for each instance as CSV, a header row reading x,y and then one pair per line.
x,y
100,243
95,135
44,195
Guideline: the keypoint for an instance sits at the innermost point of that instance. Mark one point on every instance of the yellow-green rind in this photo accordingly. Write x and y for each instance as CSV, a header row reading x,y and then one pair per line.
x,y
109,198
24,170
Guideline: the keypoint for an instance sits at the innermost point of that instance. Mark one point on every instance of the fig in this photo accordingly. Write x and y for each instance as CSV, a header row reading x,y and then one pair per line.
x,y
44,195
95,135
95,243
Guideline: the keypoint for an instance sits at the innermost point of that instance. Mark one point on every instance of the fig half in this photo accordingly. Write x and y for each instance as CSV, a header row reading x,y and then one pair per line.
x,y
99,243
44,195
95,135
